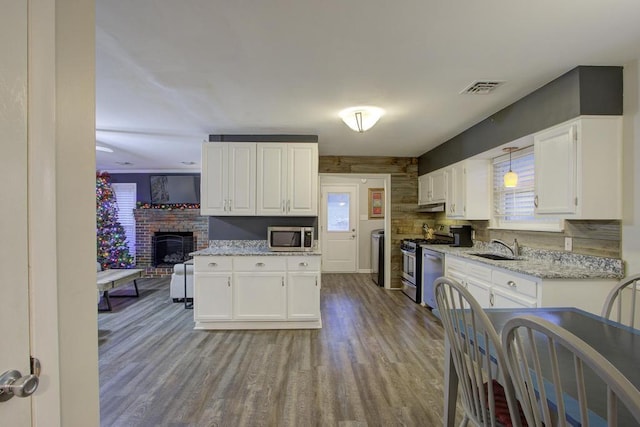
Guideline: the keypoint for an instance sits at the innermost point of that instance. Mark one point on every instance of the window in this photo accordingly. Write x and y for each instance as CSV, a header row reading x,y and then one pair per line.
x,y
126,194
513,208
338,212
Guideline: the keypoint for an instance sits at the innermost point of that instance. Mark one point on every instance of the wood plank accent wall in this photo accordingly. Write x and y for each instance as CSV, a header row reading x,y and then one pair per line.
x,y
405,221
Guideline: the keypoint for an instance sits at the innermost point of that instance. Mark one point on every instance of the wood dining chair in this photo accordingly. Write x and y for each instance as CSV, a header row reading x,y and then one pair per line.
x,y
620,304
485,387
560,380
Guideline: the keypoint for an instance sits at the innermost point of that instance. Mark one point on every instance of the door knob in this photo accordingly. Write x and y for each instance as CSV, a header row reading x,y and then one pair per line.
x,y
12,383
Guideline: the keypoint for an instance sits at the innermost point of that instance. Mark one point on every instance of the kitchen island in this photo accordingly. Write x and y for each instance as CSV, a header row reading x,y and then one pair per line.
x,y
241,284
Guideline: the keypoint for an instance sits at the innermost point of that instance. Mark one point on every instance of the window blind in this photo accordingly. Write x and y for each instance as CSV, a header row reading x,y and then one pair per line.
x,y
126,194
514,204
513,208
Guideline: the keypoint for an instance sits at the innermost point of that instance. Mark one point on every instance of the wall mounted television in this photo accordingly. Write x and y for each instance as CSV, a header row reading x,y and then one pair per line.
x,y
174,189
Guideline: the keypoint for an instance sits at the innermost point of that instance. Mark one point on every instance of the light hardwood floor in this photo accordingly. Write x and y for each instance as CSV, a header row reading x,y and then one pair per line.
x,y
377,361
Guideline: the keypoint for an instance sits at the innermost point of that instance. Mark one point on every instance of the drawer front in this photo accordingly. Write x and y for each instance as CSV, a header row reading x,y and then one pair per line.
x,y
260,263
455,263
515,283
211,264
303,263
479,271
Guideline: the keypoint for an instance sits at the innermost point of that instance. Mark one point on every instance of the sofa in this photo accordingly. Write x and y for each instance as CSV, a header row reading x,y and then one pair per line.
x,y
177,282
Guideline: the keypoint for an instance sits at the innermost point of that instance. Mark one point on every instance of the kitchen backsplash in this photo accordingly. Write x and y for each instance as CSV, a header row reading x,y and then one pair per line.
x,y
599,238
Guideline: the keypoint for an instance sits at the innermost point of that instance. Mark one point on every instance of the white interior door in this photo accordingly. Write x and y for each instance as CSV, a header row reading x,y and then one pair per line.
x,y
14,283
339,228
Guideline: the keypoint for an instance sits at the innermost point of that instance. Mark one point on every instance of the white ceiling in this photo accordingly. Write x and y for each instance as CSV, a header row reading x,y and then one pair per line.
x,y
168,73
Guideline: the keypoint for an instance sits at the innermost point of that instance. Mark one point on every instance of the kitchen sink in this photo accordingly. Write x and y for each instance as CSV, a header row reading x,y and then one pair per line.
x,y
494,257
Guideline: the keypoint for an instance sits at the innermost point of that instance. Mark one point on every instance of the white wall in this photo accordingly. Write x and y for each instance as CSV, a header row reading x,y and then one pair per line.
x,y
631,175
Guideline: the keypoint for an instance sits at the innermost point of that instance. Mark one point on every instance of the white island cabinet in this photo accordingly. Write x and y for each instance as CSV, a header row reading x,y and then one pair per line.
x,y
212,296
257,292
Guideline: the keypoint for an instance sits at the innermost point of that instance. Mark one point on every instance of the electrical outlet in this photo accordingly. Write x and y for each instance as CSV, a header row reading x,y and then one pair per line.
x,y
568,243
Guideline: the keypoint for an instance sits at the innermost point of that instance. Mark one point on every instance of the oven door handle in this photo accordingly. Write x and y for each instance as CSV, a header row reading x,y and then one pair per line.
x,y
406,252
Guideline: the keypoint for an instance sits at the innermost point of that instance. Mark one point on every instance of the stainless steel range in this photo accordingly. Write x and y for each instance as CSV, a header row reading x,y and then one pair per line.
x,y
412,255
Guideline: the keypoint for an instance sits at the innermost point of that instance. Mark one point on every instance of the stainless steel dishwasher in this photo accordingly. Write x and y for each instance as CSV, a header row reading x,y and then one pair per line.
x,y
432,268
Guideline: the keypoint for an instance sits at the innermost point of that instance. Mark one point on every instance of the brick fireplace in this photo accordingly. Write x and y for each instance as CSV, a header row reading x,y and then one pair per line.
x,y
150,221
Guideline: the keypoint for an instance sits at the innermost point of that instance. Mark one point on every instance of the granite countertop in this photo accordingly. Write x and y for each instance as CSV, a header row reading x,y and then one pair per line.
x,y
543,264
246,248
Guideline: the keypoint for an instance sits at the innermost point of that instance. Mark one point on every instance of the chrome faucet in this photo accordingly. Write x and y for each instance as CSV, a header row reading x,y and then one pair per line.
x,y
515,250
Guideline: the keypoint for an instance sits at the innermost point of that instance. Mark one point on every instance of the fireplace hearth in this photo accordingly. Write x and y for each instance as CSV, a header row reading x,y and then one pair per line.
x,y
171,247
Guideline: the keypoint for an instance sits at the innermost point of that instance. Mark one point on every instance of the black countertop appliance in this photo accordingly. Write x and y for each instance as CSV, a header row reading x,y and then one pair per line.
x,y
461,235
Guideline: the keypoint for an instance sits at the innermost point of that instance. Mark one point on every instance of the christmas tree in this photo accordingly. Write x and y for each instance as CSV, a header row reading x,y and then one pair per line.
x,y
113,250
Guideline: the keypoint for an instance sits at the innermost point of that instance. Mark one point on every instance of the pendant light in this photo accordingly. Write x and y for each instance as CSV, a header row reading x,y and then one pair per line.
x,y
510,178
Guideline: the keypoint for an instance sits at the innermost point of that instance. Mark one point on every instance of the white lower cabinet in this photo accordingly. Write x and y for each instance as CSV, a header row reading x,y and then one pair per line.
x,y
257,292
260,296
303,291
212,296
494,287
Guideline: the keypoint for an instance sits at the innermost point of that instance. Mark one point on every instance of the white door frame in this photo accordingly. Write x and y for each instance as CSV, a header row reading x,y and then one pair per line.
x,y
61,197
387,214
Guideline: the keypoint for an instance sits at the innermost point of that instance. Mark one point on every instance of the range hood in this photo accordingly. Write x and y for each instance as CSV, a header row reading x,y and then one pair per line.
x,y
432,207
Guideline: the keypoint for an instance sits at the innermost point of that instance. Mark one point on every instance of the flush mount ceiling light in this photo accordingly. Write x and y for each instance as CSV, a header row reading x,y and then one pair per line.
x,y
361,118
510,178
104,149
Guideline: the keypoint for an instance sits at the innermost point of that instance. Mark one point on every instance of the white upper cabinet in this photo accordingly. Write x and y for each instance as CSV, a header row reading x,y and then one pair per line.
x,y
287,179
432,187
467,190
228,179
578,169
438,186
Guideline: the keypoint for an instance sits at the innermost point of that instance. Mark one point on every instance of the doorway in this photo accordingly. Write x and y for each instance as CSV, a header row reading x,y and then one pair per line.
x,y
359,255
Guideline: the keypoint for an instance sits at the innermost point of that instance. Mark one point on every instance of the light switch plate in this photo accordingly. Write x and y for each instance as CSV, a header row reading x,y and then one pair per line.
x,y
568,243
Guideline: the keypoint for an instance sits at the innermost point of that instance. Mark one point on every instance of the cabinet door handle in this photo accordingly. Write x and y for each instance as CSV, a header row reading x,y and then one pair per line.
x,y
283,206
288,206
535,201
229,204
283,281
491,299
304,264
229,281
259,264
512,283
213,264
316,282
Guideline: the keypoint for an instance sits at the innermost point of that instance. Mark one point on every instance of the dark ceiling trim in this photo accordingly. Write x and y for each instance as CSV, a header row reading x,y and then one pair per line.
x,y
263,138
585,90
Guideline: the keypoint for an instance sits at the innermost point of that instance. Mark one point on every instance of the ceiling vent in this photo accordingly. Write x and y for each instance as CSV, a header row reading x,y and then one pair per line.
x,y
482,87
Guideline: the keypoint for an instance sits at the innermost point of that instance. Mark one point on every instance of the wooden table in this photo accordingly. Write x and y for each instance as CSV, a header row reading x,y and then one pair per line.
x,y
617,343
110,279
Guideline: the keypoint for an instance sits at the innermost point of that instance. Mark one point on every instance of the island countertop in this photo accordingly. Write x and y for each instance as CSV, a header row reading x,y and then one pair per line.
x,y
246,248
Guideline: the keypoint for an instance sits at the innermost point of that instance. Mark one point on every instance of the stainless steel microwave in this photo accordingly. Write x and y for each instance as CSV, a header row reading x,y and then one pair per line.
x,y
290,239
